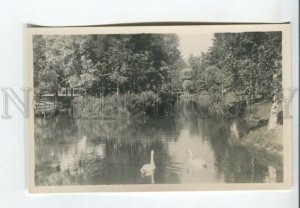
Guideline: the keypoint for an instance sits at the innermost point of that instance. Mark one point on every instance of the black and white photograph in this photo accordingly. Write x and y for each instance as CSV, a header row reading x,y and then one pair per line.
x,y
145,108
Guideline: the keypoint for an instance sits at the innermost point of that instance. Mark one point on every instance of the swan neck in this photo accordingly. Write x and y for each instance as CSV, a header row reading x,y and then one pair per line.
x,y
152,160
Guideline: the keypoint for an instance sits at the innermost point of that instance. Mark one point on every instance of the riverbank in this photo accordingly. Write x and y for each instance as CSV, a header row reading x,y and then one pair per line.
x,y
258,115
265,145
124,106
270,140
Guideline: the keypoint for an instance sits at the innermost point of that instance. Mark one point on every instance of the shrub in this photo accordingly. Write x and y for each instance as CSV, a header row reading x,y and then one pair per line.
x,y
140,105
116,106
92,107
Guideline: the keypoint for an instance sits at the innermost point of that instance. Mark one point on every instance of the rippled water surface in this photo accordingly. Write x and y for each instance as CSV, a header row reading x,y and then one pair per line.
x,y
71,151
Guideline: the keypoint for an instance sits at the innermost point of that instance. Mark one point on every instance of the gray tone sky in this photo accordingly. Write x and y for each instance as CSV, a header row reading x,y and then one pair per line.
x,y
193,43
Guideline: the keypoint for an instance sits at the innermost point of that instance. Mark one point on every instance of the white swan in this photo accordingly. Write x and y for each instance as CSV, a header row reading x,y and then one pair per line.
x,y
195,163
148,169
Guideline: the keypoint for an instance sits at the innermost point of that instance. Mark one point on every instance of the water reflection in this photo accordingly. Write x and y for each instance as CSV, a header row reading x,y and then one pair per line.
x,y
73,151
272,176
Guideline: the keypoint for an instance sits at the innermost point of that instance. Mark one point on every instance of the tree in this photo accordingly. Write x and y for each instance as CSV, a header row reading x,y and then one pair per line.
x,y
248,62
106,63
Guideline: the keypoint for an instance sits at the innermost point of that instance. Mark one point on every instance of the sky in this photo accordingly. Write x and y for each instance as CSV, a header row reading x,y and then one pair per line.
x,y
194,43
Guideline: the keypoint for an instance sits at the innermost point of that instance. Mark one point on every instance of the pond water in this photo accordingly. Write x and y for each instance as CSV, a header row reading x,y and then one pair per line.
x,y
71,151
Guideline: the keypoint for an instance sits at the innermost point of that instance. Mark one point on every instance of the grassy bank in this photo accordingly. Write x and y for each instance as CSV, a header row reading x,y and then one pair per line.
x,y
263,139
265,145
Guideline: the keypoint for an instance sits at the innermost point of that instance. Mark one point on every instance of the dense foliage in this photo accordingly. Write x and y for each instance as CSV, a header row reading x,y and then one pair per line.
x,y
106,63
242,63
142,66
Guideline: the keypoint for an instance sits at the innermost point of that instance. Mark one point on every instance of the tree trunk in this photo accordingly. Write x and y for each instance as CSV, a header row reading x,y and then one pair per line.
x,y
118,88
275,105
273,114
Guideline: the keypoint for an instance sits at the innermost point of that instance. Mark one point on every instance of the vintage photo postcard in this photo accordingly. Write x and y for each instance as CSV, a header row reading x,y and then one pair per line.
x,y
159,108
